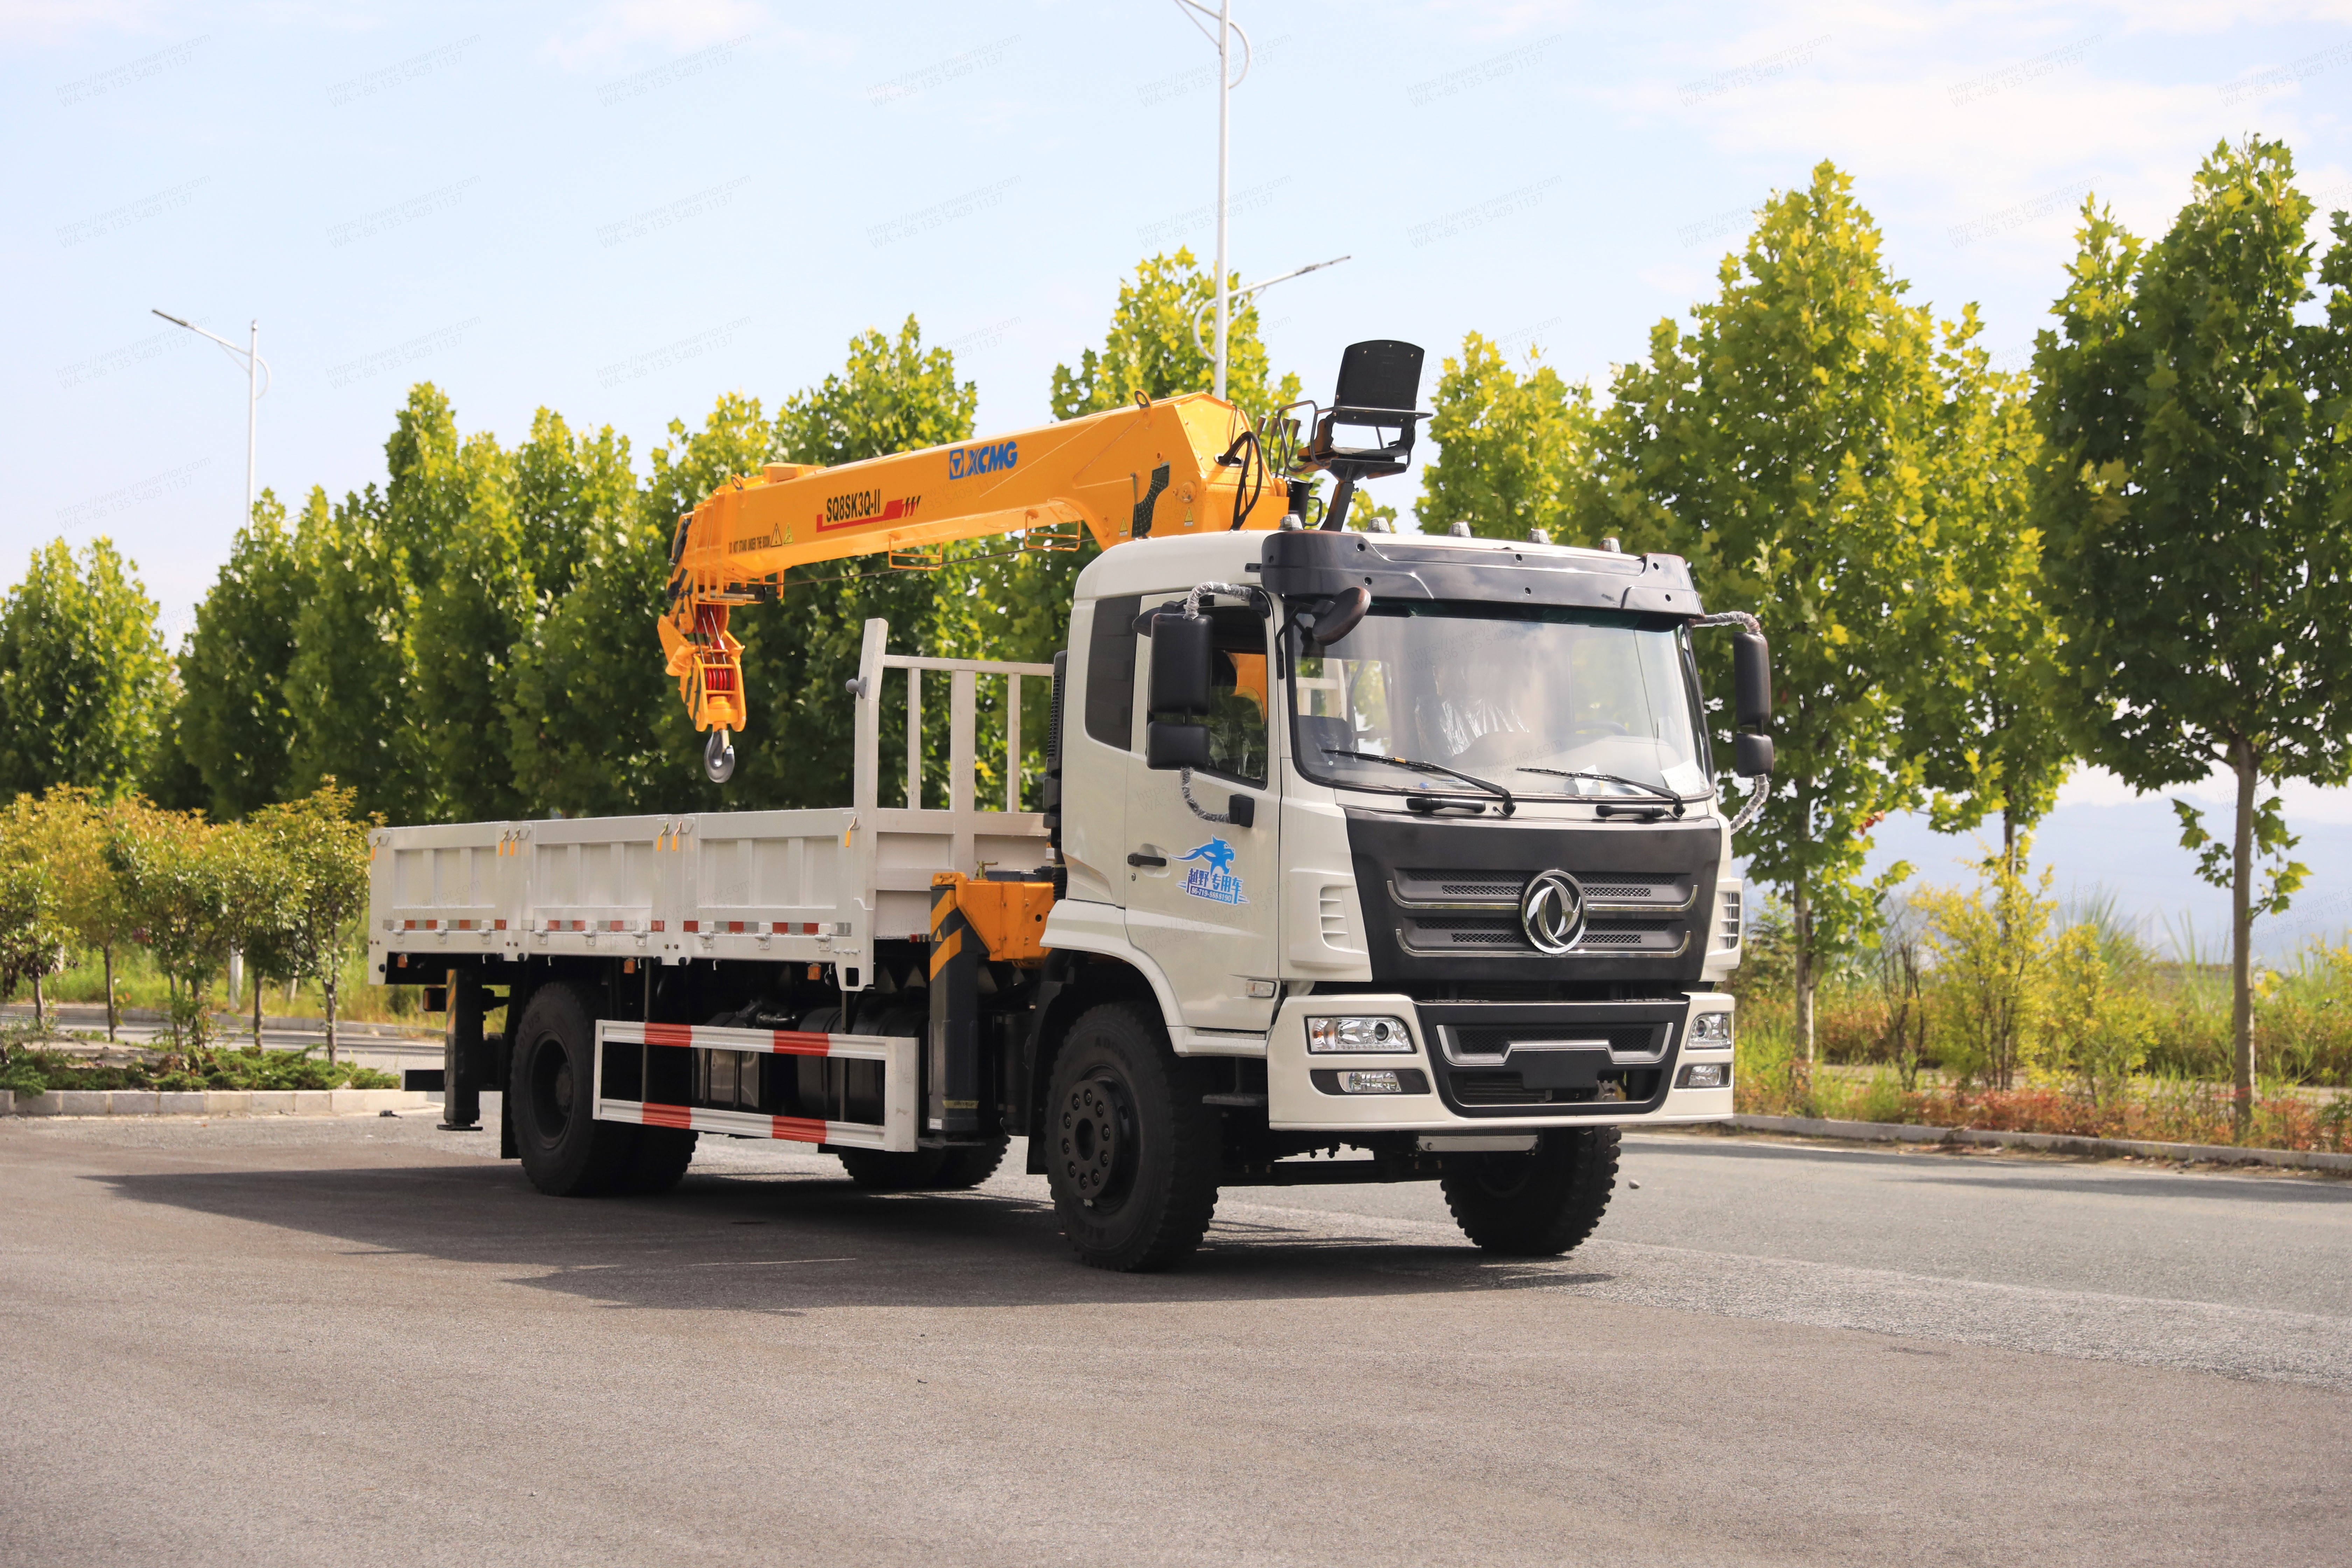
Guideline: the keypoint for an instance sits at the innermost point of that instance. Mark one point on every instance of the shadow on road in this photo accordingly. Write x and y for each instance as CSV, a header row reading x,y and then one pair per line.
x,y
782,1243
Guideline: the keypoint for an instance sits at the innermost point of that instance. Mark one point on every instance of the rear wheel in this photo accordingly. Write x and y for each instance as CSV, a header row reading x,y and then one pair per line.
x,y
1538,1204
551,1089
662,1155
1132,1153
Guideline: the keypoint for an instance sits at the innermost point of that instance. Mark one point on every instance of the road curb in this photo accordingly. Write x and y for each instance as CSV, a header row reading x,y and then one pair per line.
x,y
2051,1143
212,1102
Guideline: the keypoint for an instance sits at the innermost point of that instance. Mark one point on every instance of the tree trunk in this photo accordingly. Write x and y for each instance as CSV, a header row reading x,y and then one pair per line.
x,y
2242,931
41,1014
1801,938
109,950
1801,920
258,988
327,985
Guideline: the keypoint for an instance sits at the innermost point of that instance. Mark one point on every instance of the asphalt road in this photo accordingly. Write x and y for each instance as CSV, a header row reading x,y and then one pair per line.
x,y
363,1340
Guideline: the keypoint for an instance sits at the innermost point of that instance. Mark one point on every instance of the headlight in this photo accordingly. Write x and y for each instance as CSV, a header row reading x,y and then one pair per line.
x,y
1358,1036
1711,1031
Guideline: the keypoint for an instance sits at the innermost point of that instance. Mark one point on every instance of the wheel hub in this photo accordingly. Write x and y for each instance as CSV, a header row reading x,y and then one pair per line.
x,y
1094,1147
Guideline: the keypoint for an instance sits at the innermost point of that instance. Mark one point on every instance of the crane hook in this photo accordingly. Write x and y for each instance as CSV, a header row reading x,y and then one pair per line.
x,y
719,757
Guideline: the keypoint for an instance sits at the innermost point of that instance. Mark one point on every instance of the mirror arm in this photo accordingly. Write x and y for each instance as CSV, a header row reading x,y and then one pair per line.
x,y
1740,618
1759,789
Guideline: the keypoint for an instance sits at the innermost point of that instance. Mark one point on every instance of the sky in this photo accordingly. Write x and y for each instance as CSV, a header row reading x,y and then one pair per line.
x,y
621,211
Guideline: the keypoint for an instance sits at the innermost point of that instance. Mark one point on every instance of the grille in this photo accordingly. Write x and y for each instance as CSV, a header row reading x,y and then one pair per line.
x,y
1427,887
1479,889
1493,1040
1495,1086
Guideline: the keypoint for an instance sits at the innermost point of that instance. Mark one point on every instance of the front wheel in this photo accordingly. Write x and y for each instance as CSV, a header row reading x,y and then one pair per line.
x,y
1132,1153
1536,1204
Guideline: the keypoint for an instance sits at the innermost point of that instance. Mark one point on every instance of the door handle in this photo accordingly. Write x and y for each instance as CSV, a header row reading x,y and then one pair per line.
x,y
1160,860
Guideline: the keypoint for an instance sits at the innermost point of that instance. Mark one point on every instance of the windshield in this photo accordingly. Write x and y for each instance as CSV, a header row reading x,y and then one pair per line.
x,y
1540,701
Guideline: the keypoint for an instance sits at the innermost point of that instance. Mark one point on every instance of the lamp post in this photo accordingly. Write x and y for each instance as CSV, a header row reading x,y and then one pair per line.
x,y
1243,293
1227,29
256,386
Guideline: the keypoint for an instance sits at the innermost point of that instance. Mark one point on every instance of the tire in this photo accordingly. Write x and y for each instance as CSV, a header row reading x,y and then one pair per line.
x,y
662,1156
1539,1203
873,1169
924,1170
1132,1153
564,1151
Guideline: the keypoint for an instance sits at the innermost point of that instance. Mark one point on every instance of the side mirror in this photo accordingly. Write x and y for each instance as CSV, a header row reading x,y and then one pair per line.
x,y
1180,665
1167,745
1332,620
1752,755
1751,680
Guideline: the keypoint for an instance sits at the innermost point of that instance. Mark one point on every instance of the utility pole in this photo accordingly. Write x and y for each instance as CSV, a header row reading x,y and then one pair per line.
x,y
256,387
1224,175
1227,30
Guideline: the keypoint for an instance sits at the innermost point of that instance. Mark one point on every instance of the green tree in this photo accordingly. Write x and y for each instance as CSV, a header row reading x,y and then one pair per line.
x,y
1150,348
572,493
33,928
177,878
317,850
1784,444
69,828
1990,730
1993,949
353,681
236,719
481,603
2203,586
1512,448
83,673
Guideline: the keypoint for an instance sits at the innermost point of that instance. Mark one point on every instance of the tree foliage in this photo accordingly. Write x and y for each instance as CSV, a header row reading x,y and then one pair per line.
x,y
1786,445
1513,448
2199,561
237,720
1150,351
84,681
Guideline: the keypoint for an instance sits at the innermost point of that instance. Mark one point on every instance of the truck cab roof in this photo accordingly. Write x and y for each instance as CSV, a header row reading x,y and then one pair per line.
x,y
1400,566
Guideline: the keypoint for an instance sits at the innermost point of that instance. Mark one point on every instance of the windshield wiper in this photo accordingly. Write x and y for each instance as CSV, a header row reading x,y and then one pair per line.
x,y
1417,765
1668,796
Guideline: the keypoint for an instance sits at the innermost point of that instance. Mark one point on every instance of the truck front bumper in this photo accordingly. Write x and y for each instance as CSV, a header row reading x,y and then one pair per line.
x,y
1489,1067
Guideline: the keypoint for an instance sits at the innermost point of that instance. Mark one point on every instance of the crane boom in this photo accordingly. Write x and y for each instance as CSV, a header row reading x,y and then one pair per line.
x,y
1177,466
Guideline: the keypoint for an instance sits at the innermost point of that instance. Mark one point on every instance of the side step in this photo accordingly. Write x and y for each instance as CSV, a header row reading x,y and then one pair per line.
x,y
855,1091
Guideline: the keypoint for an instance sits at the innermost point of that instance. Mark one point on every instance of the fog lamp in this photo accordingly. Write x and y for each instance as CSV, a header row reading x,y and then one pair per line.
x,y
1711,1031
1355,1035
1371,1083
1707,1074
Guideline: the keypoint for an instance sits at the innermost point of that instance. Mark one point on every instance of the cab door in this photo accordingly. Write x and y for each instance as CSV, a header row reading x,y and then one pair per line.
x,y
1201,897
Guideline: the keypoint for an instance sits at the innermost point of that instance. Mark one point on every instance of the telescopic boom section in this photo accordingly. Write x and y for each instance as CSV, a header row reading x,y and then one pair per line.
x,y
1179,465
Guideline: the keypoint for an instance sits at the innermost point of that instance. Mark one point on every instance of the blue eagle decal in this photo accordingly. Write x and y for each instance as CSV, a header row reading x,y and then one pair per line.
x,y
1212,878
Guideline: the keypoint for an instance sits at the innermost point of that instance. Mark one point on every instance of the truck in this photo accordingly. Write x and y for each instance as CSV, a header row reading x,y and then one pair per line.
x,y
1361,857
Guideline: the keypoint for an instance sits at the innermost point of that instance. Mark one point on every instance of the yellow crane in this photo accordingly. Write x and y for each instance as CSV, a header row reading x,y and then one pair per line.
x,y
1160,468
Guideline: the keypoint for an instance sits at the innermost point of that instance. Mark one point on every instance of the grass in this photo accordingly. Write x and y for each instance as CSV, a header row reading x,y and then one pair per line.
x,y
29,1069
139,984
2162,1106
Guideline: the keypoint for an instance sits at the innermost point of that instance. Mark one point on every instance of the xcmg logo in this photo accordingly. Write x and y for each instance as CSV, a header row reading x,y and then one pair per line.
x,y
994,458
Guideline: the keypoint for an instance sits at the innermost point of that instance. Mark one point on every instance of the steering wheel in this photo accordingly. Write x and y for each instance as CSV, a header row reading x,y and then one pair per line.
x,y
1490,748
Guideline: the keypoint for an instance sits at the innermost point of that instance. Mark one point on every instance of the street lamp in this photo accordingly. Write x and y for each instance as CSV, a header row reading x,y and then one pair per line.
x,y
1226,28
256,386
1240,294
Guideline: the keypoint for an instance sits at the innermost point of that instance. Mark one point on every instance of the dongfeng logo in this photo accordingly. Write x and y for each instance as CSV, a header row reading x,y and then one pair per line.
x,y
1551,911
